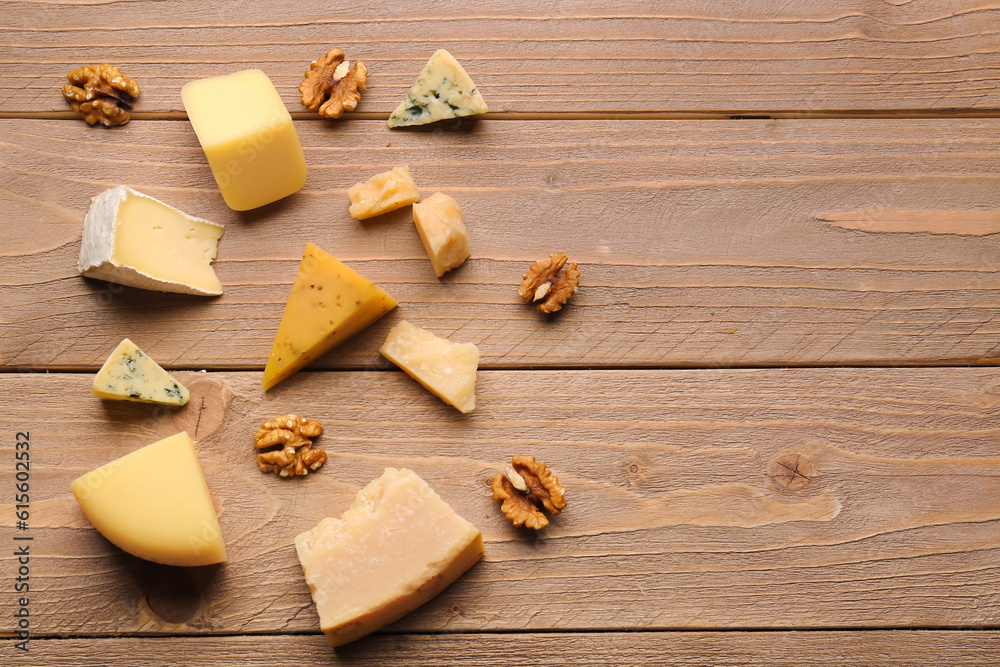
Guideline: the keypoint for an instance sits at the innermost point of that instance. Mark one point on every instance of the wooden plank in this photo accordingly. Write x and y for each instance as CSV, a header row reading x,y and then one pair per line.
x,y
582,56
700,242
881,648
683,510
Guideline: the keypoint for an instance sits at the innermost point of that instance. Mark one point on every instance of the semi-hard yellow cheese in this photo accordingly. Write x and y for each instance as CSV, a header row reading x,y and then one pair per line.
x,y
446,369
154,504
398,546
130,375
442,229
132,239
248,137
329,303
382,193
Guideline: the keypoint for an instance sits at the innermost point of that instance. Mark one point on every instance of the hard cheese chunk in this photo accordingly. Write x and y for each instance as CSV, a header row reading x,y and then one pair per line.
x,y
329,303
130,375
442,229
446,369
248,137
132,239
442,90
382,193
398,546
154,504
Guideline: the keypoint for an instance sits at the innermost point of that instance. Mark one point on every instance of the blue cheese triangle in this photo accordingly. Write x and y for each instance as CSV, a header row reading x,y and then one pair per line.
x,y
443,90
130,375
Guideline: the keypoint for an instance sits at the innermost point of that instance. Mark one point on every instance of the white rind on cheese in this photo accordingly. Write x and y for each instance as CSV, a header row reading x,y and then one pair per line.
x,y
100,238
130,375
442,90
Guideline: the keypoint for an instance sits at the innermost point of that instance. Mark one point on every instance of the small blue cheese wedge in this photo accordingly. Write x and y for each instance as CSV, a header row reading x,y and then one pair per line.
x,y
135,240
130,375
442,90
397,546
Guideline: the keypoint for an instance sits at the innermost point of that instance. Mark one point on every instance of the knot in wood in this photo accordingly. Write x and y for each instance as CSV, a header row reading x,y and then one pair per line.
x,y
791,471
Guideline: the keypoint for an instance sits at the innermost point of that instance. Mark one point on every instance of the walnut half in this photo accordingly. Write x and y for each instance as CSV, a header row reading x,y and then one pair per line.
x,y
332,86
541,283
526,488
101,93
294,435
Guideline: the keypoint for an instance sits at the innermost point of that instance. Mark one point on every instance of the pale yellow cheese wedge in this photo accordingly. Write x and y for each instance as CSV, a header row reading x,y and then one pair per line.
x,y
154,504
130,375
398,546
442,90
329,303
382,193
248,137
441,227
446,369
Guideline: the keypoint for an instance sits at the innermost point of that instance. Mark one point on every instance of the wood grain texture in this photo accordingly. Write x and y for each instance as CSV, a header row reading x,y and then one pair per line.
x,y
583,56
676,649
703,499
700,243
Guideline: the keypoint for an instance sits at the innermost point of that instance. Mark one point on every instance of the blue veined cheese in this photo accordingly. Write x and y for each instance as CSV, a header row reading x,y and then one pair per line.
x,y
443,90
130,375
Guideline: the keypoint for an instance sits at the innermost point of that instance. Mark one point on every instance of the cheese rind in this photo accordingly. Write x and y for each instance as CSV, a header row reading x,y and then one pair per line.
x,y
442,90
248,137
442,230
130,375
136,240
397,547
382,193
154,504
446,369
328,304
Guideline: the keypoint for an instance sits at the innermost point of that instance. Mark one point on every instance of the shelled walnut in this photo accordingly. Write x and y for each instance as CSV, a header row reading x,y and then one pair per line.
x,y
542,285
526,488
101,93
332,86
294,435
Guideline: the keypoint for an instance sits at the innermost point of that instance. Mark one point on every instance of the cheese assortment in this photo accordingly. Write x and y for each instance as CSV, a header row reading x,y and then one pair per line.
x,y
329,303
446,369
248,138
154,504
397,547
130,375
442,90
136,240
441,227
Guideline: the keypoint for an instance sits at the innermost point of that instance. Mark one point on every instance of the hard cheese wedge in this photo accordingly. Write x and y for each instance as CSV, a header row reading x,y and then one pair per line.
x,y
446,369
130,375
132,239
382,193
154,504
398,546
248,137
329,303
442,90
442,230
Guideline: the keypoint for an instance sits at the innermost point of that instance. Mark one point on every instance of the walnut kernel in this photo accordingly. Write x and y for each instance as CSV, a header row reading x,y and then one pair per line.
x,y
332,86
294,434
101,93
542,285
541,491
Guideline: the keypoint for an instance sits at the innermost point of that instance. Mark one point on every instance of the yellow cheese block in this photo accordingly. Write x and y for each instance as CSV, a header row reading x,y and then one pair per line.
x,y
329,303
446,369
248,137
441,227
398,546
382,193
154,504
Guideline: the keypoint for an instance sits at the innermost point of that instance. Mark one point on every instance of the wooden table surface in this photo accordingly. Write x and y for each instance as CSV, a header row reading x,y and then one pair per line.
x,y
786,217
